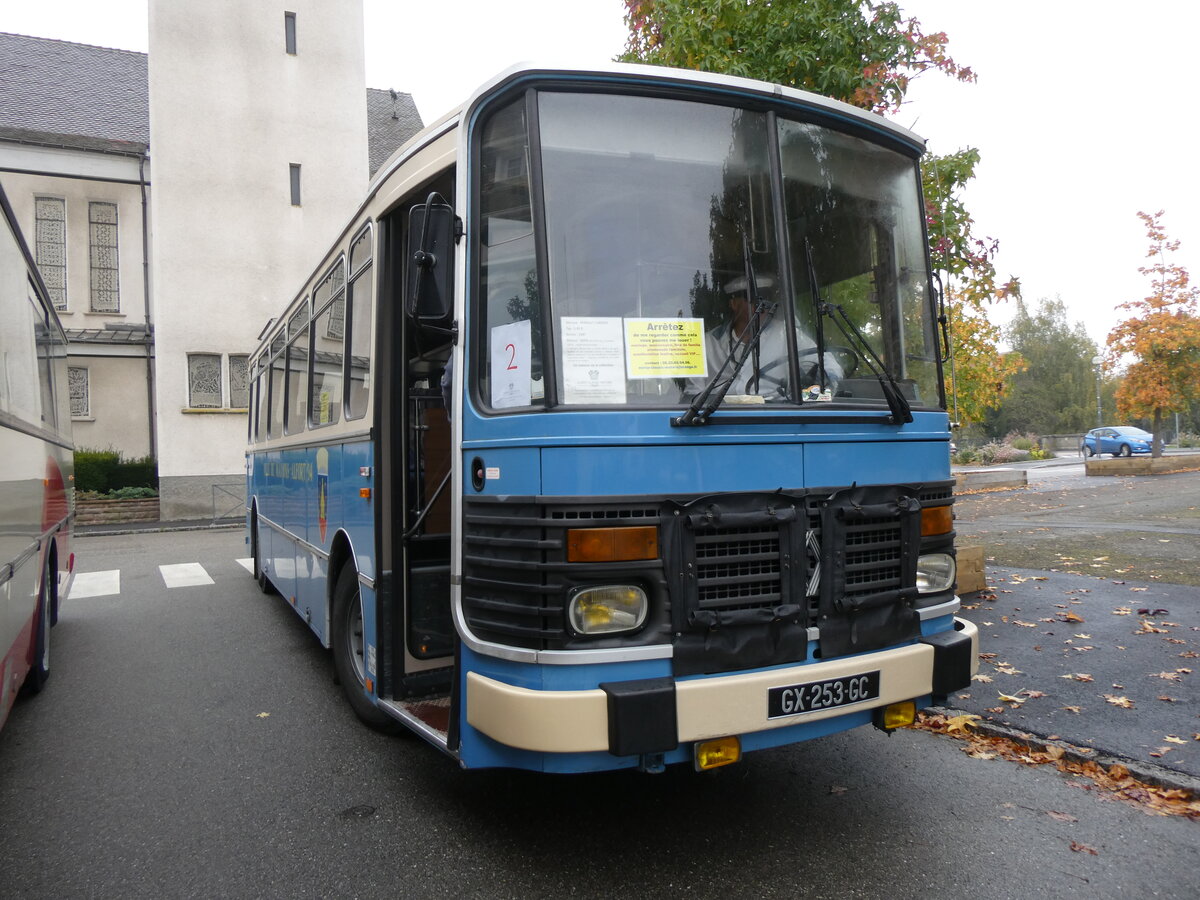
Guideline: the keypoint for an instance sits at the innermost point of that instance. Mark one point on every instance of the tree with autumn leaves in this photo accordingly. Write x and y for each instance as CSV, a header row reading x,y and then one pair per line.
x,y
1162,338
866,54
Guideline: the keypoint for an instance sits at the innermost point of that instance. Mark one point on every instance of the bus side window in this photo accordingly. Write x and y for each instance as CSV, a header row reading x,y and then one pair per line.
x,y
328,360
359,346
275,416
297,367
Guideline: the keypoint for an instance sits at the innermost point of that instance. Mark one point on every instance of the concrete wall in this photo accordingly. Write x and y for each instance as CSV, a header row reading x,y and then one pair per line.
x,y
118,417
78,192
121,414
230,111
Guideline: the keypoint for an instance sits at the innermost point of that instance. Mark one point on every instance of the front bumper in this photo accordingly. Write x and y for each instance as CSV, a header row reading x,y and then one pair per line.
x,y
707,707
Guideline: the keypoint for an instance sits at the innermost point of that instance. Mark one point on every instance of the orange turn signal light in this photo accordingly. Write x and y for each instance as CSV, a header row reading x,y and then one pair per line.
x,y
612,544
936,520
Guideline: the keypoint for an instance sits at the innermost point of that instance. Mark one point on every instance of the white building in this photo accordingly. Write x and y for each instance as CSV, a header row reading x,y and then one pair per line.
x,y
176,201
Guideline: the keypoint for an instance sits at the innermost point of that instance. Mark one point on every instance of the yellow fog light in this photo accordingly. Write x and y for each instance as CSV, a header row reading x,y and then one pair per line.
x,y
896,715
607,609
721,752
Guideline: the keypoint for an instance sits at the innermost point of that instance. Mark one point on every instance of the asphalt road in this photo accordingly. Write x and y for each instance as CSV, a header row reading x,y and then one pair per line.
x,y
191,743
1091,621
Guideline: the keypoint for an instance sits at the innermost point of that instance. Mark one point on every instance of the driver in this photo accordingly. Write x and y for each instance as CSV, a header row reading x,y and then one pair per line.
x,y
765,373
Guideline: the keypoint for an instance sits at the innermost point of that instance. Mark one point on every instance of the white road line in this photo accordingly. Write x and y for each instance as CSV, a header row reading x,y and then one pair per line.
x,y
95,584
247,564
184,575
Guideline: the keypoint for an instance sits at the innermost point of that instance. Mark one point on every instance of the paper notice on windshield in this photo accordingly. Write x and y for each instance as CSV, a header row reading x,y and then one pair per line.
x,y
593,354
665,348
511,370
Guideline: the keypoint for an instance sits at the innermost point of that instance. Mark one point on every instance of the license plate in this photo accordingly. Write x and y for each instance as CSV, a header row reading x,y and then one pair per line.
x,y
812,696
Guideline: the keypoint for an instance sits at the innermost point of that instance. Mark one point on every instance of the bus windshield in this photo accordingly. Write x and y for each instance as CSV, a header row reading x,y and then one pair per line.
x,y
676,234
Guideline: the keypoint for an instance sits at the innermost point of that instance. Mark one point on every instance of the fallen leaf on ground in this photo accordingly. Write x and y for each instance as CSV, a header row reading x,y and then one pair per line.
x,y
1122,611
1078,676
1171,739
1071,709
1061,816
1123,702
1083,848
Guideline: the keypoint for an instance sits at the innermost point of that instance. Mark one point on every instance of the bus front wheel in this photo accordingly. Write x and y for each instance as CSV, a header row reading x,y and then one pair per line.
x,y
349,652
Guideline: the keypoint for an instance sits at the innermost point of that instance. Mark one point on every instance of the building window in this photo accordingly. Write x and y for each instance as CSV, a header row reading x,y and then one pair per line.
x,y
294,173
204,381
239,381
102,237
289,32
50,246
77,386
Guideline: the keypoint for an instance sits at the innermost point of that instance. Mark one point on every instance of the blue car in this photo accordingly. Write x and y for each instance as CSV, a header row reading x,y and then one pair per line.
x,y
1121,440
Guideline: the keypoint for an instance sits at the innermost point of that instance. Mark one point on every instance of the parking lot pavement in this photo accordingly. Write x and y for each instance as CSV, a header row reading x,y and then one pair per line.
x,y
1099,663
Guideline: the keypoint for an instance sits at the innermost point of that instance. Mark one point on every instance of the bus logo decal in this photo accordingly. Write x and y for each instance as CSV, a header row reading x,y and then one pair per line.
x,y
322,490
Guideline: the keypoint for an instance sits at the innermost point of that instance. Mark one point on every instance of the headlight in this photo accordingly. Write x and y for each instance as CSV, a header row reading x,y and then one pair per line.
x,y
607,609
935,572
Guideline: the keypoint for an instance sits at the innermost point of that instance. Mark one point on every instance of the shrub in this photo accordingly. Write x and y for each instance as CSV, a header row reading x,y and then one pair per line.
x,y
1188,439
94,469
104,470
133,493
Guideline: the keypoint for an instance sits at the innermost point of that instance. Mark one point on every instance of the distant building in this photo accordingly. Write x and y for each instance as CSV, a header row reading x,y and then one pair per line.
x,y
176,200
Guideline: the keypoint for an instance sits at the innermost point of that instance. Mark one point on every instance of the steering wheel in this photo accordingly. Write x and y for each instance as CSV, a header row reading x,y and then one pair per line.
x,y
846,357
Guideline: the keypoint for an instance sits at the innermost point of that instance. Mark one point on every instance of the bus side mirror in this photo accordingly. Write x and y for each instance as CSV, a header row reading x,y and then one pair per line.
x,y
431,228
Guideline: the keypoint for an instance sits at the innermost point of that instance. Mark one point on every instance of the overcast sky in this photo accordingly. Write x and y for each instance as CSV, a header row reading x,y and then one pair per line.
x,y
1081,114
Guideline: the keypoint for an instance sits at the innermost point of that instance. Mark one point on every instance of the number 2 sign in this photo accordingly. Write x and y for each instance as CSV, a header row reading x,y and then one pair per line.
x,y
510,364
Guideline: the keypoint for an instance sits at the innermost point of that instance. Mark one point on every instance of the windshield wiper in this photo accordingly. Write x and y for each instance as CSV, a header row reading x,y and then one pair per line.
x,y
820,319
710,398
897,403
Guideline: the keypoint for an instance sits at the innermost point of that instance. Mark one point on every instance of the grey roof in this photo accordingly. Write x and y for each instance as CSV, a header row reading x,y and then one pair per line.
x,y
59,93
392,118
74,95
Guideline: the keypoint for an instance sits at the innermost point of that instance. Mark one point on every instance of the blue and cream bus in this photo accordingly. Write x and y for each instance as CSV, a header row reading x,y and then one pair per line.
x,y
610,432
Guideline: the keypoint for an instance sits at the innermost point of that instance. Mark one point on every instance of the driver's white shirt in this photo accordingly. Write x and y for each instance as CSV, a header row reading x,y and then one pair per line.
x,y
772,358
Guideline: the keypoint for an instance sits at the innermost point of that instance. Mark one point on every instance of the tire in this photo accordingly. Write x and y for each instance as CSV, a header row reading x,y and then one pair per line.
x,y
349,664
1124,451
1088,451
39,672
264,583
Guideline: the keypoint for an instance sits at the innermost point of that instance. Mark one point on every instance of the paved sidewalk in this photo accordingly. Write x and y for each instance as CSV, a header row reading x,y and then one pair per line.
x,y
1096,662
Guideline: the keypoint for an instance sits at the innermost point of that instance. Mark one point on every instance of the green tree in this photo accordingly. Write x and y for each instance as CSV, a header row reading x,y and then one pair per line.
x,y
1162,337
866,54
1056,392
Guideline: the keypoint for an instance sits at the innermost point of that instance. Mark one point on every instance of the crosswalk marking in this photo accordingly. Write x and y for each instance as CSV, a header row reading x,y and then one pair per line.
x,y
184,575
107,584
95,584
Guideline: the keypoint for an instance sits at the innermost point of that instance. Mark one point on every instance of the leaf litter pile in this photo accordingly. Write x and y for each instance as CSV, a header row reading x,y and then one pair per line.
x,y
1113,781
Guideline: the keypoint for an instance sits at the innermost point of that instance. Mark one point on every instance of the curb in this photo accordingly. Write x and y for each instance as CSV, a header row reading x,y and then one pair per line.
x,y
155,528
1157,776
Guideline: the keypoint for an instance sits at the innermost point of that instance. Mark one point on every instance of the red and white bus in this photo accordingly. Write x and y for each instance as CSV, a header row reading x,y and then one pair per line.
x,y
37,497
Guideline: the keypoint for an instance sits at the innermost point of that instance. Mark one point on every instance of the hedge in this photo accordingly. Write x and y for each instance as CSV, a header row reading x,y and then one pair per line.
x,y
105,470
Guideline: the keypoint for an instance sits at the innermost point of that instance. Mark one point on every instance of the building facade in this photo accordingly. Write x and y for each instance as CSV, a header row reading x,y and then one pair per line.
x,y
176,200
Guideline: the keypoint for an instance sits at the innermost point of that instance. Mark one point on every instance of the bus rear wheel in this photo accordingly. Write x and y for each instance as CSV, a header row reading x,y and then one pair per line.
x,y
39,672
349,652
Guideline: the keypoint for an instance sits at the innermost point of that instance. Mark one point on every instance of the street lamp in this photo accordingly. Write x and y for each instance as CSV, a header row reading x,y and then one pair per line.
x,y
1096,361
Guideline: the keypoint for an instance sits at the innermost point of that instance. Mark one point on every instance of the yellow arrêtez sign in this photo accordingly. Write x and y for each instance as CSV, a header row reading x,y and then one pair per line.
x,y
665,348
